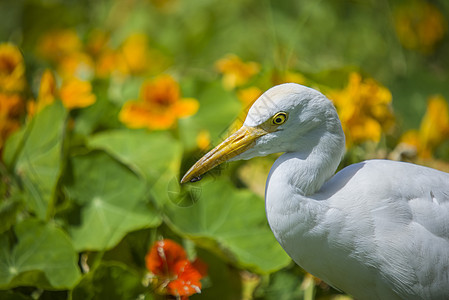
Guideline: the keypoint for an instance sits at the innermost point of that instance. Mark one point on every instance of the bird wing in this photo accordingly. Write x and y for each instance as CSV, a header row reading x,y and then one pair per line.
x,y
397,217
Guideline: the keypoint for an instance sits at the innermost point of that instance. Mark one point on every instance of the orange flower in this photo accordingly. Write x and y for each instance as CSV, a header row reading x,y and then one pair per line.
x,y
159,105
434,128
288,76
76,64
47,90
133,57
56,44
364,109
235,71
110,62
249,95
174,274
419,25
76,93
12,69
11,108
203,140
135,53
47,93
11,105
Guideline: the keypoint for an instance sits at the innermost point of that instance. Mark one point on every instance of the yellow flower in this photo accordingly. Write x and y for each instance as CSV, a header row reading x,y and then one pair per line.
x,y
11,108
288,76
11,105
12,69
76,64
248,95
110,62
159,106
65,49
434,128
203,140
47,93
364,109
47,89
135,53
235,71
76,93
419,25
133,57
56,44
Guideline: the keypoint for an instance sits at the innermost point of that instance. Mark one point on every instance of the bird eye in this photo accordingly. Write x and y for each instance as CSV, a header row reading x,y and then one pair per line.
x,y
279,118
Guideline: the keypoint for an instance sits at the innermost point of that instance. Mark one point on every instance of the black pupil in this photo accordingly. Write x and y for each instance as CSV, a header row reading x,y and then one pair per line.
x,y
278,120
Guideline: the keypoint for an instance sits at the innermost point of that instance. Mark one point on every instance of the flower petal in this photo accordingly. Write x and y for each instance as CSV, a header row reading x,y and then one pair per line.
x,y
187,282
47,90
163,257
186,107
12,69
134,114
76,93
162,91
138,114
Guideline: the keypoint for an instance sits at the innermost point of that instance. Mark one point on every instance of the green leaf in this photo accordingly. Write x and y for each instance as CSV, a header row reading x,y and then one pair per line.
x,y
147,153
9,208
230,222
34,154
112,200
110,281
43,257
284,285
154,155
218,109
102,114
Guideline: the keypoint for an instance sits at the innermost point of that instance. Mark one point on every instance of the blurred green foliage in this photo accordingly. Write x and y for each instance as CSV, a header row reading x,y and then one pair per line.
x,y
84,197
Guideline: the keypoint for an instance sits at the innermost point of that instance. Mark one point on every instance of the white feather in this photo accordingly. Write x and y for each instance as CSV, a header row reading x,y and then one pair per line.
x,y
376,230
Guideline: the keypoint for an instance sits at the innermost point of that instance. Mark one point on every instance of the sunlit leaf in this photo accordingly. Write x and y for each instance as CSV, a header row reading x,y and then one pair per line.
x,y
284,285
154,155
231,222
43,257
112,199
147,153
34,155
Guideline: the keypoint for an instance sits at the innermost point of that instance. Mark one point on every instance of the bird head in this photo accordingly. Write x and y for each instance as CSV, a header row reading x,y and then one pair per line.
x,y
286,118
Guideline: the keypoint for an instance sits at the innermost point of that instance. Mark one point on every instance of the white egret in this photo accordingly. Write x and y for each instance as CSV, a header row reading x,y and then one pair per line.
x,y
377,229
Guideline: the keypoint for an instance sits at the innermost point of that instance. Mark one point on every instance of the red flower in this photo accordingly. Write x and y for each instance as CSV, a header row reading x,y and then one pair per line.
x,y
175,274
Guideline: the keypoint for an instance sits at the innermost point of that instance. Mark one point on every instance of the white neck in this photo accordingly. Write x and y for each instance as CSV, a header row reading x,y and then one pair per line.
x,y
293,178
306,169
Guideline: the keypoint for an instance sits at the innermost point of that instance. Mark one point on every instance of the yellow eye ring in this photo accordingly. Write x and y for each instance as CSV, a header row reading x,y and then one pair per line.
x,y
279,118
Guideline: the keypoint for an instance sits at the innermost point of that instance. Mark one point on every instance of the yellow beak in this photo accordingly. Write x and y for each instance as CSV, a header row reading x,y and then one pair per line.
x,y
237,143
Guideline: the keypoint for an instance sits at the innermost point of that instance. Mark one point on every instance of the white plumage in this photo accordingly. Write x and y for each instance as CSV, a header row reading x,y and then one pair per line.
x,y
376,230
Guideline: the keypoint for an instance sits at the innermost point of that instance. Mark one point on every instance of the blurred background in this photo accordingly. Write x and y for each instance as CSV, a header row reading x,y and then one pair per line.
x,y
105,104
